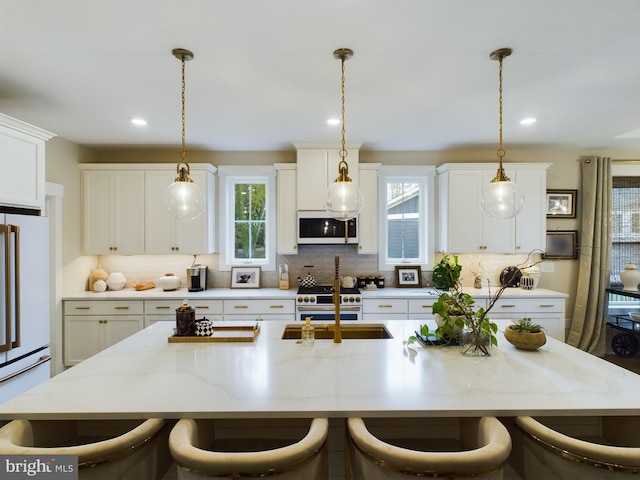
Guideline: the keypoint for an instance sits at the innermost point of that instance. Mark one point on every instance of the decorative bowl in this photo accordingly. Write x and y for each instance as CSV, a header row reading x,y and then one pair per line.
x,y
169,282
116,281
525,340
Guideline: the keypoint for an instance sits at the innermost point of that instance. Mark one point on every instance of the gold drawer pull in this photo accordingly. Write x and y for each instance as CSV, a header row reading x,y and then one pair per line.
x,y
83,308
241,306
162,307
427,306
202,306
547,305
122,308
507,306
276,306
385,306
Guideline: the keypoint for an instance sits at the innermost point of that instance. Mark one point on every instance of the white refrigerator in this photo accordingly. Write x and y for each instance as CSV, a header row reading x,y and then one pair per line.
x,y
24,303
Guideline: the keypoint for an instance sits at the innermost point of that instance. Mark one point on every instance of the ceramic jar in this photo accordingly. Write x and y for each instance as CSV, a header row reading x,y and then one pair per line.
x,y
630,277
116,281
97,274
169,282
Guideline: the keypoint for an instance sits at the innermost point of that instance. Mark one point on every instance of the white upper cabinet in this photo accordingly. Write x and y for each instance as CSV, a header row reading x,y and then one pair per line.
x,y
124,214
22,163
113,212
286,214
317,168
464,228
368,218
163,233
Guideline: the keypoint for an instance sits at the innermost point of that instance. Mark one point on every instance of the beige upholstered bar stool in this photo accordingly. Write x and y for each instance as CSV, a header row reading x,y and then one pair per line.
x,y
106,450
480,449
569,450
201,448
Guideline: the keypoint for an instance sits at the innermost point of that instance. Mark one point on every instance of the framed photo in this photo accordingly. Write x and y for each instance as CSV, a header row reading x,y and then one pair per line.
x,y
408,276
561,203
562,244
245,277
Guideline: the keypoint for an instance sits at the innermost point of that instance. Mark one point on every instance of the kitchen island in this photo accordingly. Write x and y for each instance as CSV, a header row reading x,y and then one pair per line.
x,y
146,376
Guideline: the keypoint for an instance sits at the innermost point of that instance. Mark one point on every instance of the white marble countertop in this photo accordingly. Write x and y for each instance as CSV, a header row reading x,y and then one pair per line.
x,y
146,376
266,293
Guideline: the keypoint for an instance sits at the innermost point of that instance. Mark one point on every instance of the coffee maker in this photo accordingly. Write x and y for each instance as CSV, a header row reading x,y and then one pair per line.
x,y
197,278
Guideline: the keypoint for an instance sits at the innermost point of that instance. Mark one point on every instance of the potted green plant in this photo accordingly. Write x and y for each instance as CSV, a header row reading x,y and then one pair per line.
x,y
460,322
446,273
525,335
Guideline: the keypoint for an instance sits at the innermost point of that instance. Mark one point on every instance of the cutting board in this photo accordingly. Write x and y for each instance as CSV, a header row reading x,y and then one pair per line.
x,y
223,333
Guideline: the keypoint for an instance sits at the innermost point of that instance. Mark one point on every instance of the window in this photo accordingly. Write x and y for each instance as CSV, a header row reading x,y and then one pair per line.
x,y
247,211
406,216
625,224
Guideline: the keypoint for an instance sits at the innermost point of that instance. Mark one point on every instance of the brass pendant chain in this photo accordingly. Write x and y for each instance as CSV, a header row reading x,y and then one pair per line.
x,y
500,152
183,155
343,152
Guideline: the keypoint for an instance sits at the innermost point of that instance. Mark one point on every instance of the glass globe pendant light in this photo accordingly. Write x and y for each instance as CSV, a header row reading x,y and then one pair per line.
x,y
183,198
343,200
502,199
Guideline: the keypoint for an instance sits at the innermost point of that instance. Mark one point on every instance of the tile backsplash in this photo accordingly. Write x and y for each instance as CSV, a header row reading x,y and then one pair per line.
x,y
317,259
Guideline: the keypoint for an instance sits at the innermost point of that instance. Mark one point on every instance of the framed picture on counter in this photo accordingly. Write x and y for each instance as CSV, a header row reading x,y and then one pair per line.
x,y
561,244
408,276
561,203
245,277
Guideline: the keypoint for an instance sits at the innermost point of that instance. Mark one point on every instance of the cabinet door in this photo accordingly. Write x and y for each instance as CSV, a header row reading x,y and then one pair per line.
x,y
368,218
461,218
312,178
286,216
82,338
498,236
113,212
121,327
531,222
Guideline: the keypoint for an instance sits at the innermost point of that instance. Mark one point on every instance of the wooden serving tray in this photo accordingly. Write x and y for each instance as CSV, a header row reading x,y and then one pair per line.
x,y
223,333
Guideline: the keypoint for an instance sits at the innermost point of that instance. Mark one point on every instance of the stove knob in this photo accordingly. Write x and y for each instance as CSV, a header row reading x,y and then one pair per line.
x,y
357,299
351,299
312,299
306,299
299,299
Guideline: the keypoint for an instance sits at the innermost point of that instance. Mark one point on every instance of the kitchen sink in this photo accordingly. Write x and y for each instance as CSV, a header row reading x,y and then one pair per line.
x,y
361,331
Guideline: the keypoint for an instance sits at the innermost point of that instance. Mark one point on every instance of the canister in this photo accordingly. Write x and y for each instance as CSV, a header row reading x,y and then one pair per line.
x,y
185,320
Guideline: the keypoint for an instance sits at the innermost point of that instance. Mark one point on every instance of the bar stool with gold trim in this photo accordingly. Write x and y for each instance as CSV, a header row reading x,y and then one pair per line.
x,y
542,452
481,450
106,449
200,452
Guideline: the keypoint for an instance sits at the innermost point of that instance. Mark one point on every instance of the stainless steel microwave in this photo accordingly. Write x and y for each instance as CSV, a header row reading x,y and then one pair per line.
x,y
316,227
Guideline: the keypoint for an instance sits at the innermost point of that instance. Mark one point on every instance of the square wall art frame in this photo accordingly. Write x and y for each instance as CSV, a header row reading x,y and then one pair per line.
x,y
408,276
561,203
561,244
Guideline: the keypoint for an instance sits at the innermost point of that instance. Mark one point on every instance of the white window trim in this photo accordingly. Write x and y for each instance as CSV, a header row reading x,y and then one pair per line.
x,y
424,174
229,175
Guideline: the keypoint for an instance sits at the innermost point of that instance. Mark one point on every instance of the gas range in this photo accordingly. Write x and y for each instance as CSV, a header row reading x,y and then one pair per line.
x,y
323,294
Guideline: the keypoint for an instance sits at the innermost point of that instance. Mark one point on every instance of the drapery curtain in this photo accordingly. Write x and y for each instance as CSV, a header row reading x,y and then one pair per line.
x,y
588,324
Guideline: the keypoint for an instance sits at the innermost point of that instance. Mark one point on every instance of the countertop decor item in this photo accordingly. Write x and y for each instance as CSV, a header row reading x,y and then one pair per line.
x,y
446,273
97,274
139,287
116,281
525,335
630,277
99,286
169,282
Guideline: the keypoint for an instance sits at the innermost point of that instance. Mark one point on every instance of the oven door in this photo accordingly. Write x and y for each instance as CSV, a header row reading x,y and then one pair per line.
x,y
327,314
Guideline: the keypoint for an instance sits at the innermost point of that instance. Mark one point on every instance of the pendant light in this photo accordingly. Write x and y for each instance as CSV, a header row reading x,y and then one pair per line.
x,y
343,200
183,198
502,199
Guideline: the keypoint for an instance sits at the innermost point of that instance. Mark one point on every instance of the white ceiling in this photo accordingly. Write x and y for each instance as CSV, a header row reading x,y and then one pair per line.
x,y
264,76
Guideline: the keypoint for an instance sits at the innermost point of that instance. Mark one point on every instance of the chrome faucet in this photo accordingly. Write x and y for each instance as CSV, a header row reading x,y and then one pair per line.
x,y
337,332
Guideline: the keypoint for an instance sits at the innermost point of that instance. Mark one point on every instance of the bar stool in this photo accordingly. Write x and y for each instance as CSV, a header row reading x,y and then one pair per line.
x,y
106,449
481,450
201,450
542,452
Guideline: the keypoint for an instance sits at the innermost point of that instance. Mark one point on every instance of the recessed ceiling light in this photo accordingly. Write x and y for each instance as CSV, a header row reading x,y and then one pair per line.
x,y
333,121
139,122
528,121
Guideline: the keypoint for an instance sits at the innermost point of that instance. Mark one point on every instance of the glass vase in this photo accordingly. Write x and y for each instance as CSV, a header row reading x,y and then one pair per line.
x,y
475,343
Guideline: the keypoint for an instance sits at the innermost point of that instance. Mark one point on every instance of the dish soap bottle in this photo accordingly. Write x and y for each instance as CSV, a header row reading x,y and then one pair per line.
x,y
308,335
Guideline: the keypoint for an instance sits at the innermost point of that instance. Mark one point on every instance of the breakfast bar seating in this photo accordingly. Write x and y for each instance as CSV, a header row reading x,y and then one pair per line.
x,y
106,449
294,448
479,449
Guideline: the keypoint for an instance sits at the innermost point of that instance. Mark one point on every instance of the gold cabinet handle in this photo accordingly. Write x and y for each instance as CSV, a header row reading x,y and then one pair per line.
x,y
507,306
276,306
162,307
121,307
202,306
83,308
240,306
427,306
384,306
547,305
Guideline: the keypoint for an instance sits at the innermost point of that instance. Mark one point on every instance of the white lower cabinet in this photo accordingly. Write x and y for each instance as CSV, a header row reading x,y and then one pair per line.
x,y
249,310
377,309
93,325
165,310
546,311
421,309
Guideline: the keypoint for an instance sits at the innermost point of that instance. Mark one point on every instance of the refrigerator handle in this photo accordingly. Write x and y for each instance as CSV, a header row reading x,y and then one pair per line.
x,y
11,297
